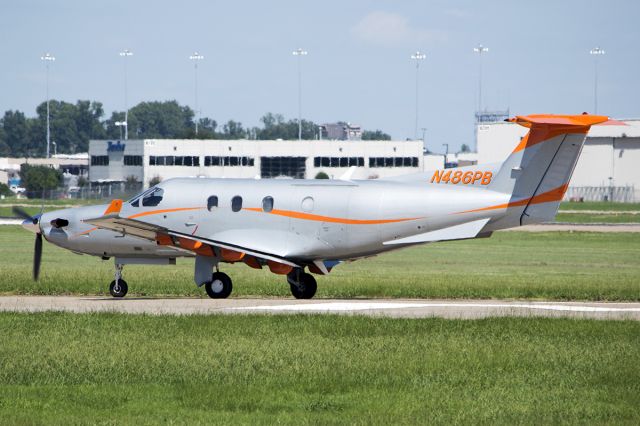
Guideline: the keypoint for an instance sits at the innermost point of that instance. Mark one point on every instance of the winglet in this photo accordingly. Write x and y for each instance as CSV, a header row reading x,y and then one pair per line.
x,y
114,207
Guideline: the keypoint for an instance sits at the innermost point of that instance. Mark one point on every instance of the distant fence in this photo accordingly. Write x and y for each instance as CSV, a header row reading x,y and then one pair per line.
x,y
93,192
618,194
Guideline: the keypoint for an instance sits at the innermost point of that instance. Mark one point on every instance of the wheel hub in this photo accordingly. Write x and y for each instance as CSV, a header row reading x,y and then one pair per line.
x,y
217,286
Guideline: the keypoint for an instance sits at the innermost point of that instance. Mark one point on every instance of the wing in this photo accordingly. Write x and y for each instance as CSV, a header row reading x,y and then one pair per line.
x,y
229,246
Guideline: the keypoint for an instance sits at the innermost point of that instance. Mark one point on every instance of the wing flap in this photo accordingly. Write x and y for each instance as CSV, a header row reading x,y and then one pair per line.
x,y
458,232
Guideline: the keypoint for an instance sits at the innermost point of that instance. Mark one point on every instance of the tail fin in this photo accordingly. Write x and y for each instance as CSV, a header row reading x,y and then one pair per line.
x,y
537,172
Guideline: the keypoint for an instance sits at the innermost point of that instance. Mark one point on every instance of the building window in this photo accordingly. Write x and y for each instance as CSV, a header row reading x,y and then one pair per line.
x,y
99,160
212,202
267,204
236,203
226,161
133,160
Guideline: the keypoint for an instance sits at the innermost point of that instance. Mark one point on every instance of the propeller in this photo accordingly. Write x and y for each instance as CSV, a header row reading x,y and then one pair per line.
x,y
37,256
33,226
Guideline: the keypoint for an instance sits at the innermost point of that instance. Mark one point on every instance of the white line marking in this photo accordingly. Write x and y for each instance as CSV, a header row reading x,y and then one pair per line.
x,y
347,306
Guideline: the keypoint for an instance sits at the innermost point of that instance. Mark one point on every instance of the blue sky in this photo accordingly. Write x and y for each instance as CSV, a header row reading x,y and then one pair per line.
x,y
358,68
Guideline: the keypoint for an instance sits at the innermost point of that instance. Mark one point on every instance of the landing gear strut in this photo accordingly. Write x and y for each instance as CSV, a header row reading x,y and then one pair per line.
x,y
118,287
303,285
219,287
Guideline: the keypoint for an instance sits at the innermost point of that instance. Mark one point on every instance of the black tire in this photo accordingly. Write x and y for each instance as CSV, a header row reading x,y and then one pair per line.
x,y
219,287
303,285
122,288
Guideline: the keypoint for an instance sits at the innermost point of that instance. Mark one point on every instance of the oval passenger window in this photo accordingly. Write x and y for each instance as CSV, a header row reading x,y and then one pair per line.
x,y
307,204
236,203
267,204
212,202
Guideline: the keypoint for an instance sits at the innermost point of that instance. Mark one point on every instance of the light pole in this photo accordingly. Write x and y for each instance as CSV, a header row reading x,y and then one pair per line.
x,y
596,52
424,142
195,58
120,124
125,54
418,56
299,53
48,58
446,153
480,50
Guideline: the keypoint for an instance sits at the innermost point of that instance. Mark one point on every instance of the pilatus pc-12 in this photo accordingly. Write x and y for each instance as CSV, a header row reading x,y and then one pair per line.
x,y
294,226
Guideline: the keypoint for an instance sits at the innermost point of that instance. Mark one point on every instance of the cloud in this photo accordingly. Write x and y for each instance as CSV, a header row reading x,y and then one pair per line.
x,y
391,29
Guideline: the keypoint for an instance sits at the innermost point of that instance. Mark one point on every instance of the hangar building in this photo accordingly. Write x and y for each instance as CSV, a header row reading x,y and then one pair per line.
x,y
608,168
117,161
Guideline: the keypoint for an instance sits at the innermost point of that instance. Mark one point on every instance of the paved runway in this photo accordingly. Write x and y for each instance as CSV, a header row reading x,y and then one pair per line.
x,y
398,308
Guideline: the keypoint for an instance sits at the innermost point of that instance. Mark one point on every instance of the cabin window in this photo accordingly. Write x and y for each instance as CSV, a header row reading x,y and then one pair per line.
x,y
236,203
212,202
267,204
153,198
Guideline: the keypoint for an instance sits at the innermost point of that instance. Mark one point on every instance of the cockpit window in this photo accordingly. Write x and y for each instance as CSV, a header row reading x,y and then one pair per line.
x,y
212,202
153,198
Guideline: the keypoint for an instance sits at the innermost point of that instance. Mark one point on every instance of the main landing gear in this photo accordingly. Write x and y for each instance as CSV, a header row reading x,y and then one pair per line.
x,y
118,287
303,285
220,286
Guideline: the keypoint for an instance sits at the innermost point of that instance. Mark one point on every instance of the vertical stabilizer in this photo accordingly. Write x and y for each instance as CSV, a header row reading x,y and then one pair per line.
x,y
537,172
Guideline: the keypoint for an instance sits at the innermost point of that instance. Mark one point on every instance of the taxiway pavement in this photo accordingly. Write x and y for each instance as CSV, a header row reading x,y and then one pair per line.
x,y
397,308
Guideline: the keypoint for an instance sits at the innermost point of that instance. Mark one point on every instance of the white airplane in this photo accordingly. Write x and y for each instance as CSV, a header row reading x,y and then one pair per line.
x,y
290,226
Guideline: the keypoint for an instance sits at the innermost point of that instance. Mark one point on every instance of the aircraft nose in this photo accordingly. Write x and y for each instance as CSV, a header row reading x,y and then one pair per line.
x,y
32,224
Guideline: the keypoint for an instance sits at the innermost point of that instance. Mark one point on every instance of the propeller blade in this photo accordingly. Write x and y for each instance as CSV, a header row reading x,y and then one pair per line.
x,y
37,257
21,213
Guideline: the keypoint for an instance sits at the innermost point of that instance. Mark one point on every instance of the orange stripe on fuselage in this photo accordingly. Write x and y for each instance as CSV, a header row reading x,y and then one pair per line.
x,y
319,218
555,194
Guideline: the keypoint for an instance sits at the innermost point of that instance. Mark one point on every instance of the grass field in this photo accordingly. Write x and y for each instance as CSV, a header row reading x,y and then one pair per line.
x,y
112,369
554,265
597,218
600,205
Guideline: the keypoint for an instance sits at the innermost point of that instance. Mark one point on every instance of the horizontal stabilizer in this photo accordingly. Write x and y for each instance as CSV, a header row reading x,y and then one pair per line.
x,y
457,232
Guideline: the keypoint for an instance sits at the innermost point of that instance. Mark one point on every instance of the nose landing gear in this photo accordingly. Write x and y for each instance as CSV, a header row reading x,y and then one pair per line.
x,y
118,287
303,285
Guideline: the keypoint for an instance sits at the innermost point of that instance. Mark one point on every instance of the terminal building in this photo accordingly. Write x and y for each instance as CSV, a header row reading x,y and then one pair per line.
x,y
607,169
152,160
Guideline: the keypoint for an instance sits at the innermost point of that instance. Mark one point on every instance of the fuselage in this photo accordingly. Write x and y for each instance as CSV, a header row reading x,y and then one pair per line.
x,y
301,219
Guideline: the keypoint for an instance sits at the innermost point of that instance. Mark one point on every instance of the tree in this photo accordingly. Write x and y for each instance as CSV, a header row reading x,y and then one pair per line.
x,y
83,181
155,180
465,148
4,190
16,133
233,130
36,179
275,127
131,184
149,120
322,175
376,135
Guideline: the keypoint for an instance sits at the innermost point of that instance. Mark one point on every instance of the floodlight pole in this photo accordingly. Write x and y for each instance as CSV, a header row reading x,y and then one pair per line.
x,y
299,53
418,56
596,52
480,49
125,54
195,58
47,58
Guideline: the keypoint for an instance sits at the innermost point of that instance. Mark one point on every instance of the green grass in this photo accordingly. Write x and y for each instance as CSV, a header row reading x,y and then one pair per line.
x,y
597,218
110,369
553,265
599,205
58,202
